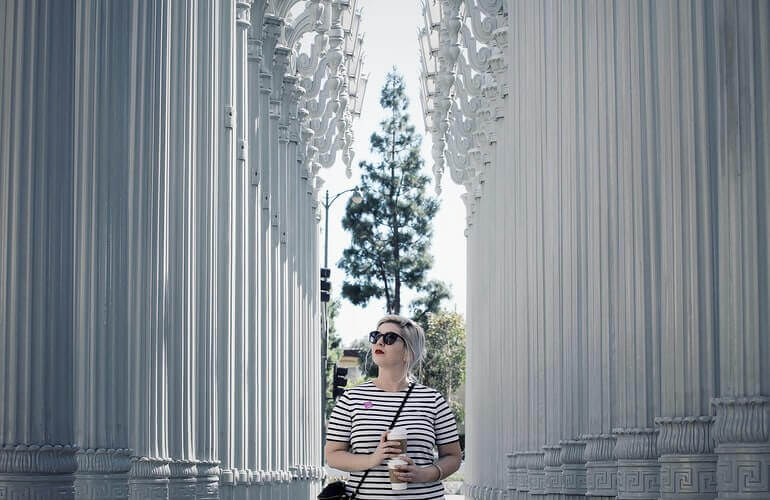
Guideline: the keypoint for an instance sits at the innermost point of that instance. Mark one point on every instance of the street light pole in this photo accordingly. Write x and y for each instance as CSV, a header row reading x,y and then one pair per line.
x,y
326,231
324,339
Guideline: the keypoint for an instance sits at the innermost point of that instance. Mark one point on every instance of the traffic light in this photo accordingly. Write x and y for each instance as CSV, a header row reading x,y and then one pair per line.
x,y
326,285
340,381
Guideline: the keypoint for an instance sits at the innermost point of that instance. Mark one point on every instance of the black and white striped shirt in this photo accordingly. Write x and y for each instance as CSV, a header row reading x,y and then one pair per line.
x,y
364,412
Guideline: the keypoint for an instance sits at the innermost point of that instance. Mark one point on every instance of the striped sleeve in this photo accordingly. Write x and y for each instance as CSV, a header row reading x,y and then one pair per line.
x,y
444,423
339,426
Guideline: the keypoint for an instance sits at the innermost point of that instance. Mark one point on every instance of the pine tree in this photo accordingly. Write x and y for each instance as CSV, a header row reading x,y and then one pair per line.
x,y
391,228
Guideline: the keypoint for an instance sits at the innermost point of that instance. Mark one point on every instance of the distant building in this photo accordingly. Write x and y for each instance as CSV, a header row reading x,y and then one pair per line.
x,y
350,360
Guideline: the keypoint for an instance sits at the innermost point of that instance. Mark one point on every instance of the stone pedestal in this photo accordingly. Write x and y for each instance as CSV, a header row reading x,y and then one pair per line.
x,y
553,472
601,466
207,481
522,477
148,478
510,474
37,471
182,480
573,486
687,460
536,473
102,474
638,468
742,432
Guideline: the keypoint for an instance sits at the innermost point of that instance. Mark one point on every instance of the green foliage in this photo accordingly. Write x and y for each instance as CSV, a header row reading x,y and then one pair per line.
x,y
333,352
444,365
434,293
391,228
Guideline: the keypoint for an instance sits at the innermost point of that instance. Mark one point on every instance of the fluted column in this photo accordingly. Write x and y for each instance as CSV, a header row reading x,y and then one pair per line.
x,y
638,468
239,246
100,276
209,121
271,31
255,294
687,460
226,313
181,285
36,250
601,466
740,76
147,258
278,266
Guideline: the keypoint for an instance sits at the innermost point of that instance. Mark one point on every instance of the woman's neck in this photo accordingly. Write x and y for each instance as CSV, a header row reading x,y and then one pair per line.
x,y
390,381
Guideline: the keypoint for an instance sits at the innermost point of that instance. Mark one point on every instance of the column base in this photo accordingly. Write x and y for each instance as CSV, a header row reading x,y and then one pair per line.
x,y
573,480
207,481
154,489
102,474
602,479
688,477
743,471
37,486
148,479
638,480
94,486
181,484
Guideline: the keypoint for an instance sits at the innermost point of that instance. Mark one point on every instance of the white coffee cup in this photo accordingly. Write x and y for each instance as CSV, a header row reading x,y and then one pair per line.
x,y
395,482
399,434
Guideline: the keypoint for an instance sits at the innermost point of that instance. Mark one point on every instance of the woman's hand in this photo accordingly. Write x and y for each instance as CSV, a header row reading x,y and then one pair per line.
x,y
415,473
385,450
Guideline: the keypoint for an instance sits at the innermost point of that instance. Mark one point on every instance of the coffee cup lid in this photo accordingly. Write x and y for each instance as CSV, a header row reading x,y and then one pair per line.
x,y
393,462
398,431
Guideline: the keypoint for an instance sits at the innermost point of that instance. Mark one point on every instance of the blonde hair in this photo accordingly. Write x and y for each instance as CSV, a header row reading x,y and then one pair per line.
x,y
414,337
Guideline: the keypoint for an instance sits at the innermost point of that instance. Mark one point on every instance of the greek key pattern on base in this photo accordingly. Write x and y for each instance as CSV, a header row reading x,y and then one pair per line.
x,y
536,483
36,487
573,480
148,490
523,480
638,479
22,491
743,471
693,476
601,479
553,481
101,488
181,490
208,490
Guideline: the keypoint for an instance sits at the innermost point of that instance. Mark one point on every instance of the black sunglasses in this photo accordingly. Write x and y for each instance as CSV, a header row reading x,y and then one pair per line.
x,y
389,338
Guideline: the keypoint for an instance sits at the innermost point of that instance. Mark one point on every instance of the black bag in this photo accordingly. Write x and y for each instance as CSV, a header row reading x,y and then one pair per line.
x,y
336,490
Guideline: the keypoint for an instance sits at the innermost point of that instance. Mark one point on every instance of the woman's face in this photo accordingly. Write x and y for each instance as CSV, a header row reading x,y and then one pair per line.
x,y
393,355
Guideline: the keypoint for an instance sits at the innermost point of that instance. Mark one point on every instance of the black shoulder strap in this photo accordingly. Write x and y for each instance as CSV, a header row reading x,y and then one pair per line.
x,y
392,424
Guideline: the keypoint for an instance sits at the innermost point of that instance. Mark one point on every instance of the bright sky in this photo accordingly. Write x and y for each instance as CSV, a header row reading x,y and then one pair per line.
x,y
390,28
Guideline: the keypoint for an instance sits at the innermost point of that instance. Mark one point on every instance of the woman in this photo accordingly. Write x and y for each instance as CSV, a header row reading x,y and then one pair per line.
x,y
360,420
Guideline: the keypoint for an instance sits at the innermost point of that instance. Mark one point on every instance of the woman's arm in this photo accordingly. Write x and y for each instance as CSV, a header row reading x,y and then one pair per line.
x,y
338,456
450,456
